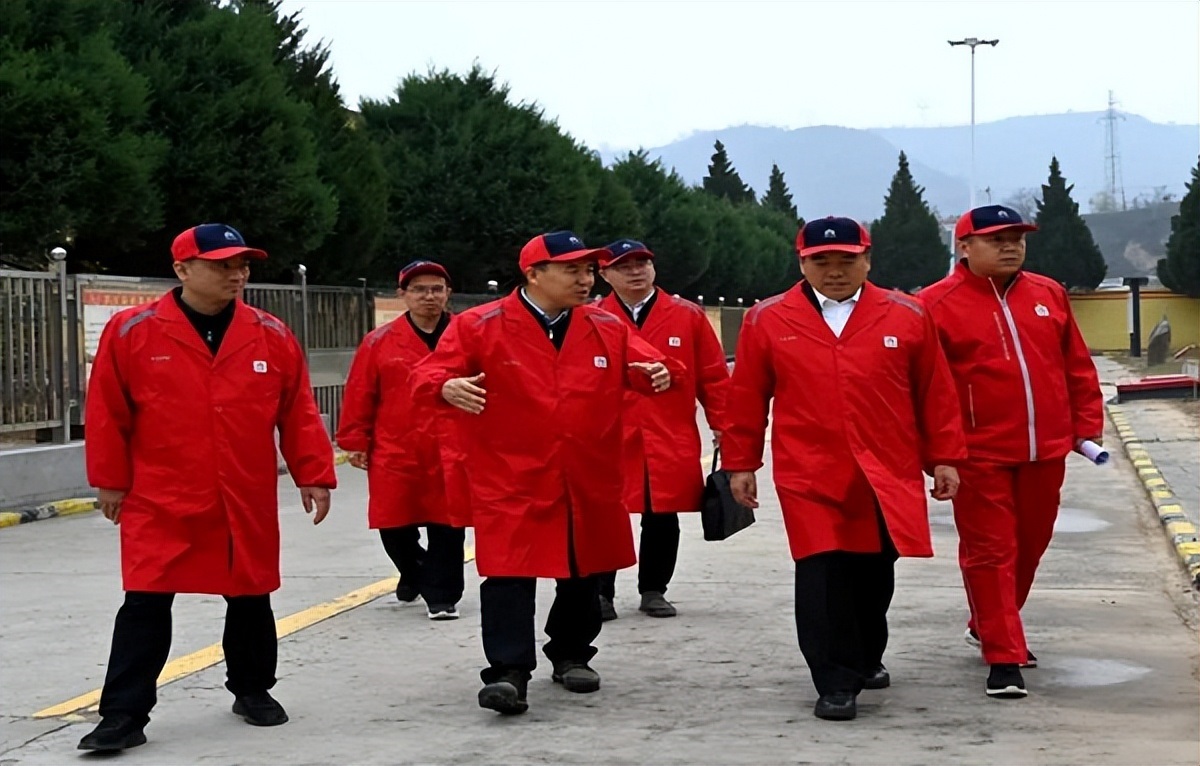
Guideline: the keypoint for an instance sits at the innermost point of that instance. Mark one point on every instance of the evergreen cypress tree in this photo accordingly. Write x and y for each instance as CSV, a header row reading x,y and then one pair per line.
x,y
723,180
1063,248
907,250
1180,270
778,197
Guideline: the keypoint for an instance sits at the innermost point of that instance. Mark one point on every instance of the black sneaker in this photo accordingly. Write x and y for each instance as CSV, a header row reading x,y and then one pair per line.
x,y
576,677
607,610
879,678
442,612
1005,682
260,709
506,696
837,706
406,594
1030,660
116,732
655,604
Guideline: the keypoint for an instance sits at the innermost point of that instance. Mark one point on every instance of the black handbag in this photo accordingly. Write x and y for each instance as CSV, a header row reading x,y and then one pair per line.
x,y
721,515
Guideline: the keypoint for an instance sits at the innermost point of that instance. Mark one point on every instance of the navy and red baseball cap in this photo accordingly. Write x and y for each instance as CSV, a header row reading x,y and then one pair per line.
x,y
559,247
212,242
990,218
833,233
626,248
418,268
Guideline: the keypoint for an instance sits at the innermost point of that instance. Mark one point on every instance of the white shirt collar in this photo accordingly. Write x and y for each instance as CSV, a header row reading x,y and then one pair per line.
x,y
827,302
546,317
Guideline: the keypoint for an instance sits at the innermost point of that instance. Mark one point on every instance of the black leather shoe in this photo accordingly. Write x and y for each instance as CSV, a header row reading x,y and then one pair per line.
x,y
115,732
838,706
607,610
576,677
506,696
260,709
880,678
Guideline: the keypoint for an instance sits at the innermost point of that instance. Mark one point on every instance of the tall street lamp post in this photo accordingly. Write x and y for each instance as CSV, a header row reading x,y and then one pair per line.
x,y
973,42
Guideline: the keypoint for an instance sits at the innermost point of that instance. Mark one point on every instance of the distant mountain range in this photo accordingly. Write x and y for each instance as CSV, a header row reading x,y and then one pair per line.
x,y
846,171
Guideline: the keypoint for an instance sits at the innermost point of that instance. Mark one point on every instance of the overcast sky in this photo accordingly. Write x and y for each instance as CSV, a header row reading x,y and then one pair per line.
x,y
626,73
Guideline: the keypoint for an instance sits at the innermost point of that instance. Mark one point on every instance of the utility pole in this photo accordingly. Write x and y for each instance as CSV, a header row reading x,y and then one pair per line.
x,y
973,42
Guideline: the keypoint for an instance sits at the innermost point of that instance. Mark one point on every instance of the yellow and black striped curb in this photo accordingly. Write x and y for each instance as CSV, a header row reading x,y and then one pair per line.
x,y
12,518
1183,534
47,511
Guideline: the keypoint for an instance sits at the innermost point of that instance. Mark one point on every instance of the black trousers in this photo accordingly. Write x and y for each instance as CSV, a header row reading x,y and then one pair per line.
x,y
842,601
658,552
437,573
142,641
507,606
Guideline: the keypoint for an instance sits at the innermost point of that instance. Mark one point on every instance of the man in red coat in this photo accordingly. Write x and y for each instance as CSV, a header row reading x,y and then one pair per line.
x,y
1029,395
543,377
662,443
863,401
183,404
398,444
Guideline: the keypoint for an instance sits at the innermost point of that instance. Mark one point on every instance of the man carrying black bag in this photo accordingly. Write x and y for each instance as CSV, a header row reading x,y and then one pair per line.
x,y
863,400
721,514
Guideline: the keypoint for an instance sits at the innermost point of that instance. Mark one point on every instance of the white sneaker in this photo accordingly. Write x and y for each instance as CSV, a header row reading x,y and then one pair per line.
x,y
972,639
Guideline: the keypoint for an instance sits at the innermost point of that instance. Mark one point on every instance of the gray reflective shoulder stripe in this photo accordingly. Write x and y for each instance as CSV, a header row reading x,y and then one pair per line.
x,y
377,334
752,314
136,319
907,303
491,314
603,316
271,322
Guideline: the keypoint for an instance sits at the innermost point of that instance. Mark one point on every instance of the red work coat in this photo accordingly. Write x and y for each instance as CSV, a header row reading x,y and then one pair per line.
x,y
380,417
661,437
191,439
1026,382
542,461
855,418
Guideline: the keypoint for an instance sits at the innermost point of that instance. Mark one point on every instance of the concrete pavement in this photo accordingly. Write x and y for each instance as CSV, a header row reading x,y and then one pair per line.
x,y
1111,618
1161,438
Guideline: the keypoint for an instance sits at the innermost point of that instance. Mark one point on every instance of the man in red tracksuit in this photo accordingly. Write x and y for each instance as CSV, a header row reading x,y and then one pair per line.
x,y
399,442
1029,395
662,443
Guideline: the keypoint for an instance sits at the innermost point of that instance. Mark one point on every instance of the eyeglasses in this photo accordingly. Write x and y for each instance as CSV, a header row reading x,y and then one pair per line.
x,y
628,267
426,290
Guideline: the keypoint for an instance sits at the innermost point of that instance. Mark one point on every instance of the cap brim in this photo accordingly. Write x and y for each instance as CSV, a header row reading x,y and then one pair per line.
x,y
231,252
575,256
855,249
426,270
1002,227
644,253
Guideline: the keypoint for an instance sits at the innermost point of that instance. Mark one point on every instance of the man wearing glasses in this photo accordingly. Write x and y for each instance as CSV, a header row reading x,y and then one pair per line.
x,y
662,443
182,409
398,445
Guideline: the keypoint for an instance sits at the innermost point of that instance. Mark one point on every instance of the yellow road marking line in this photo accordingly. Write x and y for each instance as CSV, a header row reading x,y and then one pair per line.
x,y
189,664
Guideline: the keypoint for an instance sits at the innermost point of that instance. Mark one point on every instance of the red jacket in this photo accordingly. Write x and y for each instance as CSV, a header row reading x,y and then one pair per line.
x,y
380,417
191,439
661,436
543,458
855,418
1026,381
